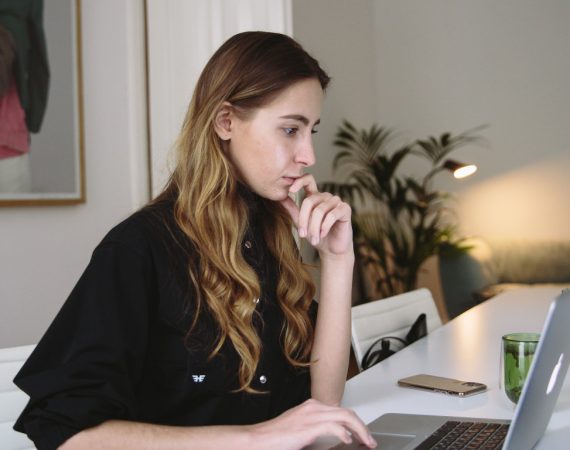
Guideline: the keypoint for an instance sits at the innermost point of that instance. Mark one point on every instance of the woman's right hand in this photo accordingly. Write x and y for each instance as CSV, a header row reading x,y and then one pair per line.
x,y
302,425
292,430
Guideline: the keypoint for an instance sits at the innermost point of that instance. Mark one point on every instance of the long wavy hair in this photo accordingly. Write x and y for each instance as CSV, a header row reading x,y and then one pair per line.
x,y
249,70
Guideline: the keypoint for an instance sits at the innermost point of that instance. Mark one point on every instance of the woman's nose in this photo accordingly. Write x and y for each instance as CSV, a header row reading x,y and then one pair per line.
x,y
306,153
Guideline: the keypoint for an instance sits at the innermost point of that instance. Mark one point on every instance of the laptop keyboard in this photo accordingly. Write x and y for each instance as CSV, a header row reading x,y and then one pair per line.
x,y
453,435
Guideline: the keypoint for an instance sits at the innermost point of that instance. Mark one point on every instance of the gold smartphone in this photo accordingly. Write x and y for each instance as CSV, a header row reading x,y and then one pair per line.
x,y
443,385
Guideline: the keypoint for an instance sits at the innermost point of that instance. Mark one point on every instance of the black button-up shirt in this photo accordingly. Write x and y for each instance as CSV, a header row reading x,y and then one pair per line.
x,y
117,348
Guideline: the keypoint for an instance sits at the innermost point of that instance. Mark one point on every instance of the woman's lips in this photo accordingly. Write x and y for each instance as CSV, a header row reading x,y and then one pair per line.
x,y
290,180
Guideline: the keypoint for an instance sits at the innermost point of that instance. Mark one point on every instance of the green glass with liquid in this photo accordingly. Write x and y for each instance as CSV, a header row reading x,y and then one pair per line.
x,y
517,355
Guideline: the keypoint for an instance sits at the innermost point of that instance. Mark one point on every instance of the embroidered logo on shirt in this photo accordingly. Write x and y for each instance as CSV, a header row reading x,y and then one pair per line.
x,y
198,378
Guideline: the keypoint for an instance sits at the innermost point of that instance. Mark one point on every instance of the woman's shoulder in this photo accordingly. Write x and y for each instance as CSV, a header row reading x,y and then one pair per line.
x,y
151,226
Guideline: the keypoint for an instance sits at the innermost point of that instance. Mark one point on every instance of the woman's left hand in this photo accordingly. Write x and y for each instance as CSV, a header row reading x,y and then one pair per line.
x,y
323,219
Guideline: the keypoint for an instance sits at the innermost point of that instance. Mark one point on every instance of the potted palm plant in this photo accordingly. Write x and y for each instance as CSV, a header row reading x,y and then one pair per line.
x,y
399,221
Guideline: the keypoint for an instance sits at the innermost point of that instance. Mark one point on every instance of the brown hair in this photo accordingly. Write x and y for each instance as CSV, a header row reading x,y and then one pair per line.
x,y
248,71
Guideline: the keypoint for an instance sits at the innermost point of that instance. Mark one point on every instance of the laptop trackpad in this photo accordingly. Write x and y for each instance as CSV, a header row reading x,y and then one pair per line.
x,y
385,442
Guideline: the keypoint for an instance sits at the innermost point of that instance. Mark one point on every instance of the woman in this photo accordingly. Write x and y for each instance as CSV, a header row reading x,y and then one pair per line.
x,y
194,325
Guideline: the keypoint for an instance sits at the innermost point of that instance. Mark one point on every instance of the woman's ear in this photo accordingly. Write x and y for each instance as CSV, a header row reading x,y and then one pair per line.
x,y
223,122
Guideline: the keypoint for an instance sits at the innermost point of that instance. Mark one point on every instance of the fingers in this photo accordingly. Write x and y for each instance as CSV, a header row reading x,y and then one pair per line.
x,y
307,183
305,423
340,422
313,210
292,209
319,213
335,429
352,426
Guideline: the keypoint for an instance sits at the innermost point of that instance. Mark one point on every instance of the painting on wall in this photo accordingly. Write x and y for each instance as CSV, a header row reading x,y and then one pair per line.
x,y
41,116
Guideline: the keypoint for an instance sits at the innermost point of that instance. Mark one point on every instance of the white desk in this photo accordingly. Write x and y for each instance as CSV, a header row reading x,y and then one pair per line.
x,y
467,348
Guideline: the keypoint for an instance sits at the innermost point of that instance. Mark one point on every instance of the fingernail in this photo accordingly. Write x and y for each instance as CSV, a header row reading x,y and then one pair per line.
x,y
302,232
314,240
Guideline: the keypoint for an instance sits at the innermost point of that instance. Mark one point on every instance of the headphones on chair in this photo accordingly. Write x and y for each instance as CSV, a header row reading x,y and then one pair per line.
x,y
374,355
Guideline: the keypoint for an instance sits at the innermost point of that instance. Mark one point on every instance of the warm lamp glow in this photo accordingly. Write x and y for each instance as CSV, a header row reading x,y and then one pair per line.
x,y
460,170
465,171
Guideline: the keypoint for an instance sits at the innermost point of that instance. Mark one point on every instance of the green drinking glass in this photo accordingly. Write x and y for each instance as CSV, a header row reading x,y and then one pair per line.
x,y
518,351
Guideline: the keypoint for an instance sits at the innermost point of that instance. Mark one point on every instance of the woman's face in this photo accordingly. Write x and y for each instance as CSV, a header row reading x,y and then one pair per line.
x,y
273,145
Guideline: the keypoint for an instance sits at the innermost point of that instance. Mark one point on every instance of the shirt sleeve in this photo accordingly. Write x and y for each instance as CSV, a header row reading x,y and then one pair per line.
x,y
85,369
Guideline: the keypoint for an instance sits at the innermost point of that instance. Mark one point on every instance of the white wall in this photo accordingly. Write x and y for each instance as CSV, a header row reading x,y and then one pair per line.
x,y
425,68
43,250
339,35
182,35
445,65
53,158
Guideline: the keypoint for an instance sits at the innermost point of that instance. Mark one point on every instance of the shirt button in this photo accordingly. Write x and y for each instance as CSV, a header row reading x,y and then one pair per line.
x,y
263,379
247,244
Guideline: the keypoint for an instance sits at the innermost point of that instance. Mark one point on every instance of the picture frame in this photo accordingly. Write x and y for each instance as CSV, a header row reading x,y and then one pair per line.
x,y
56,151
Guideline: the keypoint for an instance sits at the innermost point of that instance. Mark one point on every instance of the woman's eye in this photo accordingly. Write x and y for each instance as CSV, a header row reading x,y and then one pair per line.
x,y
290,131
314,131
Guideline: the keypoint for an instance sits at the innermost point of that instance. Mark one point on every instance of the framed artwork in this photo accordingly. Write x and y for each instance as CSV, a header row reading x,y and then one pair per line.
x,y
41,109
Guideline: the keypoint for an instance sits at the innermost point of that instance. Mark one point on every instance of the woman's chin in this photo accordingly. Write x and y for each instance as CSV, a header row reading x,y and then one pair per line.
x,y
284,195
274,194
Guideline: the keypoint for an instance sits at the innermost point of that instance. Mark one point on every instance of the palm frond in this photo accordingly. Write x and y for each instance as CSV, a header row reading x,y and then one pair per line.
x,y
410,220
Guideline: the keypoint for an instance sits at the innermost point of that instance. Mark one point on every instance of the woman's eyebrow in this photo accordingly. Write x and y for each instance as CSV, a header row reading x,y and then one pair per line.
x,y
300,118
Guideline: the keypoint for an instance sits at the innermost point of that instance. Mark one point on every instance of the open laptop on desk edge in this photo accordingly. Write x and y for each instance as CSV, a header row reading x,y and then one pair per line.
x,y
533,411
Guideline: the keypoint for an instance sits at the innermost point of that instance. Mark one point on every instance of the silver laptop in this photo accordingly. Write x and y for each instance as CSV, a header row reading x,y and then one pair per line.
x,y
533,411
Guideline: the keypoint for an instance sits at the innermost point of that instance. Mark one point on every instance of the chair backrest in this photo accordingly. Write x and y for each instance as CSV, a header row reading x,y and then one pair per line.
x,y
12,400
392,316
